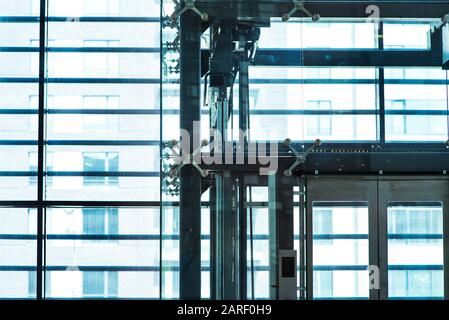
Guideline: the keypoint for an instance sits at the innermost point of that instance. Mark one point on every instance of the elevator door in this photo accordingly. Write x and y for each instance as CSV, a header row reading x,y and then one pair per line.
x,y
341,239
377,238
412,255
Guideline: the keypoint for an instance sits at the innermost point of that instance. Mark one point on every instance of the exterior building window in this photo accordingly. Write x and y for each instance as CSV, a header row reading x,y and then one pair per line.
x,y
416,283
99,64
32,290
323,283
101,122
101,7
101,162
32,284
424,221
319,125
32,164
100,284
100,221
322,223
319,73
397,123
34,61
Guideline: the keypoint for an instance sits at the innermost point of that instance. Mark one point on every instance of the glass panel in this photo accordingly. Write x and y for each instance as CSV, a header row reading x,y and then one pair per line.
x,y
415,250
300,33
416,104
19,61
103,252
18,253
332,104
170,252
340,250
103,108
257,205
394,34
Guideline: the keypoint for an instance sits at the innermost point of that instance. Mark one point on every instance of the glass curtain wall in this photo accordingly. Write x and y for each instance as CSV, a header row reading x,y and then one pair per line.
x,y
111,221
100,197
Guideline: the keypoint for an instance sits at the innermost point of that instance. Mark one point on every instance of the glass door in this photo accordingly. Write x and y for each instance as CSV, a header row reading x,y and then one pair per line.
x,y
412,214
340,246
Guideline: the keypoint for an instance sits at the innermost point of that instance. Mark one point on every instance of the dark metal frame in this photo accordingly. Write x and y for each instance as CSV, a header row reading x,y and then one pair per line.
x,y
41,203
351,155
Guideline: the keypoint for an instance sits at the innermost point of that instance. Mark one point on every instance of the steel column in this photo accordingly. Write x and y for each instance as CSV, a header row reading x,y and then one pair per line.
x,y
40,269
281,223
190,186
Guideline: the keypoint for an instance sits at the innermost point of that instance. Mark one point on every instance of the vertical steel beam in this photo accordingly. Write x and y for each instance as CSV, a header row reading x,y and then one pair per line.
x,y
302,238
381,86
373,237
40,269
226,226
383,195
190,185
244,127
213,241
280,194
242,231
244,98
309,242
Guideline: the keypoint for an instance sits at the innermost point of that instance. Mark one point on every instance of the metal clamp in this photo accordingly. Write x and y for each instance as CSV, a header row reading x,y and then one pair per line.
x,y
445,18
299,6
180,161
300,157
189,5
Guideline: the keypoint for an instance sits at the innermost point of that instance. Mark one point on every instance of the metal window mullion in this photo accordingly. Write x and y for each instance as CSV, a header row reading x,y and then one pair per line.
x,y
302,241
383,189
40,267
381,86
161,128
373,238
309,247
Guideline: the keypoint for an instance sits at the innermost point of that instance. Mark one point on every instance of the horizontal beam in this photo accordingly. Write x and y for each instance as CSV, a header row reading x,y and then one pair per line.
x,y
344,58
228,9
355,161
259,112
35,19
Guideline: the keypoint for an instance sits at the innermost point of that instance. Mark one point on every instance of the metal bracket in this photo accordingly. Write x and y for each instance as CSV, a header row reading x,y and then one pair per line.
x,y
180,161
300,157
299,6
189,5
445,18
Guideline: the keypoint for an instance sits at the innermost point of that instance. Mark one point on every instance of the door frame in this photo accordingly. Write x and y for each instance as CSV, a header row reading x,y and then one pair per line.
x,y
411,190
378,191
349,190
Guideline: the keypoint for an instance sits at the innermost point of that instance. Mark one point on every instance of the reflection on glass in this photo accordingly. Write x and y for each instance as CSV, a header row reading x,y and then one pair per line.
x,y
257,205
18,253
102,253
415,104
340,250
415,251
